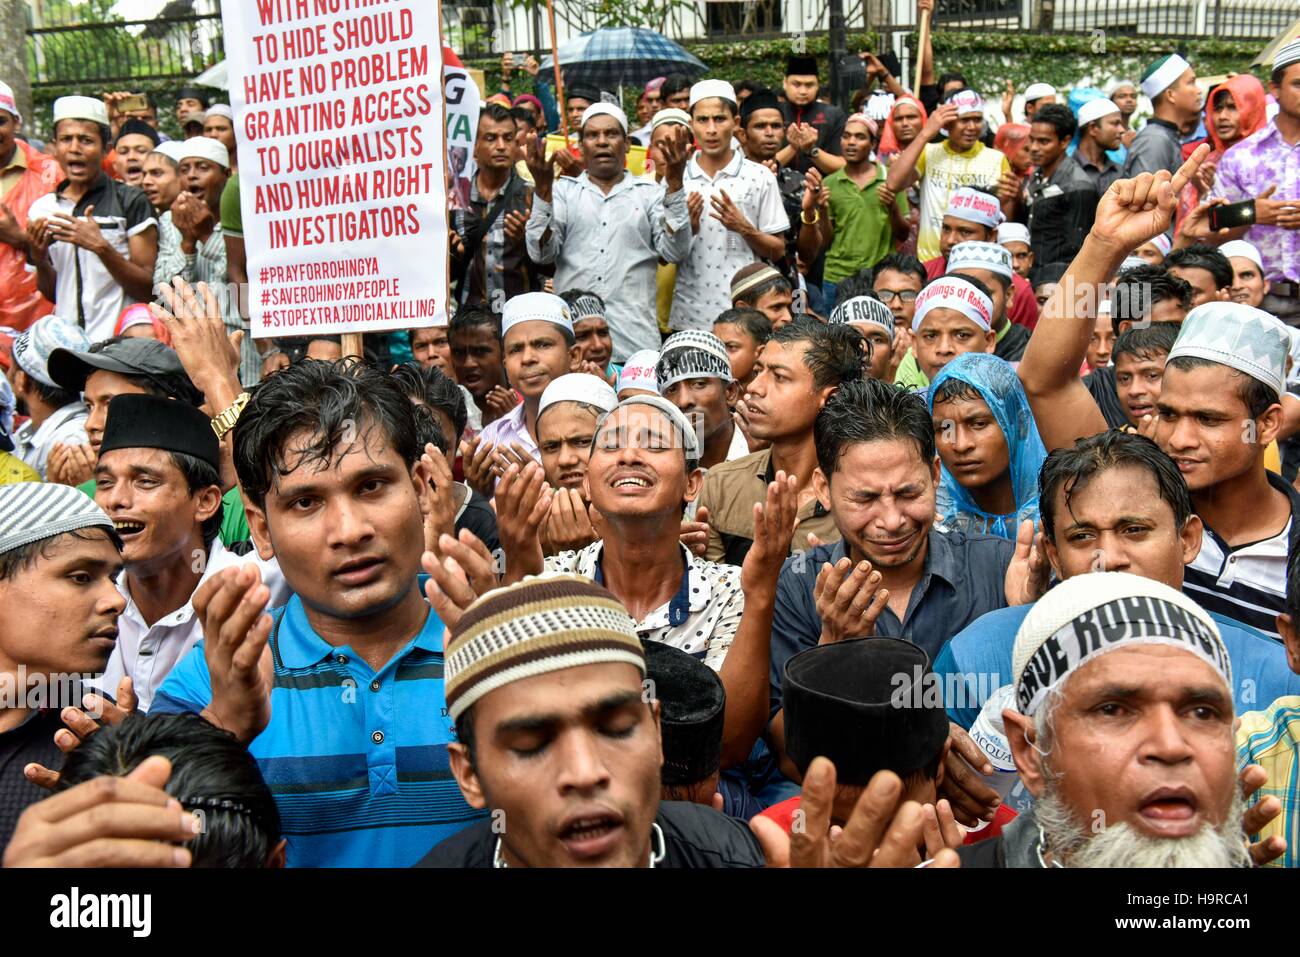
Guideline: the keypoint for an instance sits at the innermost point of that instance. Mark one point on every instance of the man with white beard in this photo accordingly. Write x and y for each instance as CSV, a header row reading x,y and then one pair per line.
x,y
1122,732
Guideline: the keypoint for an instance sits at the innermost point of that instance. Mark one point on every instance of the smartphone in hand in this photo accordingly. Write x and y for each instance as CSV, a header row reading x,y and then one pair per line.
x,y
1232,215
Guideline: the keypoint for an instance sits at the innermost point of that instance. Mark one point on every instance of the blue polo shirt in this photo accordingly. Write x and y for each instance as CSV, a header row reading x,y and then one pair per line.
x,y
978,661
356,759
963,578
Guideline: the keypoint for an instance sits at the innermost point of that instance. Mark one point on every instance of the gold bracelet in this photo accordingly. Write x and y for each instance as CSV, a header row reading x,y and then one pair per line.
x,y
225,421
817,215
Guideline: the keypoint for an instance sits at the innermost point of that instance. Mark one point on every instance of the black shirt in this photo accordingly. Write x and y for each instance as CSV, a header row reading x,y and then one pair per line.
x,y
694,836
477,515
1011,346
827,120
1100,384
32,741
1061,211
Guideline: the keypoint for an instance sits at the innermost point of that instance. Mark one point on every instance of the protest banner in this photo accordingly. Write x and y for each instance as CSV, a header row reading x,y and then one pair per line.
x,y
339,113
463,105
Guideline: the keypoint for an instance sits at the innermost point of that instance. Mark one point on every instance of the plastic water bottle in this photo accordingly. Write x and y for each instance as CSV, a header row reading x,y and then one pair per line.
x,y
990,733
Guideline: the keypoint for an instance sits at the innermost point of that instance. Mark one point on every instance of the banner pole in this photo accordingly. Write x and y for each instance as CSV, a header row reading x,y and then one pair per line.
x,y
559,79
352,344
921,41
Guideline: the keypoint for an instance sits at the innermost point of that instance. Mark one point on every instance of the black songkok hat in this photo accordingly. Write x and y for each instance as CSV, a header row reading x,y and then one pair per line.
x,y
137,127
691,708
801,65
150,422
761,100
865,704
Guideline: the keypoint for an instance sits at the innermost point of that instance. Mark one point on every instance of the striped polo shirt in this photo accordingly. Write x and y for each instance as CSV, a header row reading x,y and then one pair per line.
x,y
356,759
1271,739
1247,583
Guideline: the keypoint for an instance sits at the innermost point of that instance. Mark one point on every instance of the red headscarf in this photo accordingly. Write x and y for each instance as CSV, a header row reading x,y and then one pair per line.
x,y
1009,138
1249,96
889,144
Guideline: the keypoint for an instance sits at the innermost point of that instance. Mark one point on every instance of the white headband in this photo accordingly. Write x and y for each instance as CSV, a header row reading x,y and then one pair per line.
x,y
864,309
974,206
953,292
1089,615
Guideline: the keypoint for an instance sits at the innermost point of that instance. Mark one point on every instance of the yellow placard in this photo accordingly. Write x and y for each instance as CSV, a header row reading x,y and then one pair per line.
x,y
635,154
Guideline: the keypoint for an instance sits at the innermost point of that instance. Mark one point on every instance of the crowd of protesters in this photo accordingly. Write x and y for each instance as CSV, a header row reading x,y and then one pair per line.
x,y
875,488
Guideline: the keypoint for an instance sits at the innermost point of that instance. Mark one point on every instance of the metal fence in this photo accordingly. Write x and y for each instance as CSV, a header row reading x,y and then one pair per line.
x,y
69,44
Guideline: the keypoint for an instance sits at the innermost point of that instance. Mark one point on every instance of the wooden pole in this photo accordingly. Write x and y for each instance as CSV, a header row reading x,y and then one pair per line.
x,y
559,78
352,345
921,41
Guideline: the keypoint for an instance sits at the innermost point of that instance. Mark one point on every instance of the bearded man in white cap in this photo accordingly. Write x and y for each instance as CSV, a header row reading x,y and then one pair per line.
x,y
1170,83
94,240
606,230
25,174
743,220
1122,731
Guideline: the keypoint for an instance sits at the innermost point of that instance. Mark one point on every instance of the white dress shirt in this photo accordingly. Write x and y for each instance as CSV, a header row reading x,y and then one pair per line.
x,y
611,244
147,653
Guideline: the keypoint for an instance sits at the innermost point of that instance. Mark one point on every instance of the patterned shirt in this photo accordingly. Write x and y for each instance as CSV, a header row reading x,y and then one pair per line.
x,y
1248,582
355,759
1245,171
206,264
1271,739
495,268
611,244
943,171
701,619
85,292
704,278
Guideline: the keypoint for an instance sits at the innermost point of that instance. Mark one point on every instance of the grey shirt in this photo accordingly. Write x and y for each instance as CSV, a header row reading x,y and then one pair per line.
x,y
1157,146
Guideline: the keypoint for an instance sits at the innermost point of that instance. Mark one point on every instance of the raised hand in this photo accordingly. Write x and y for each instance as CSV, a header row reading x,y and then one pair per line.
x,y
1026,578
1259,815
881,831
728,213
460,571
38,239
969,795
10,232
568,522
1195,227
1134,210
81,231
695,207
676,150
531,66
774,522
107,822
514,223
441,519
207,349
523,501
695,535
849,600
477,459
500,401
940,828
81,724
541,168
812,187
231,605
943,114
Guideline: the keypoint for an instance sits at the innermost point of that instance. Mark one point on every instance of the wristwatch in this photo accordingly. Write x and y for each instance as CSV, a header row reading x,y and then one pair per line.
x,y
814,151
225,421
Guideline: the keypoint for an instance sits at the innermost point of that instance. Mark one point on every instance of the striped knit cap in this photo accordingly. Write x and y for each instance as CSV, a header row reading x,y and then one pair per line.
x,y
541,624
32,511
